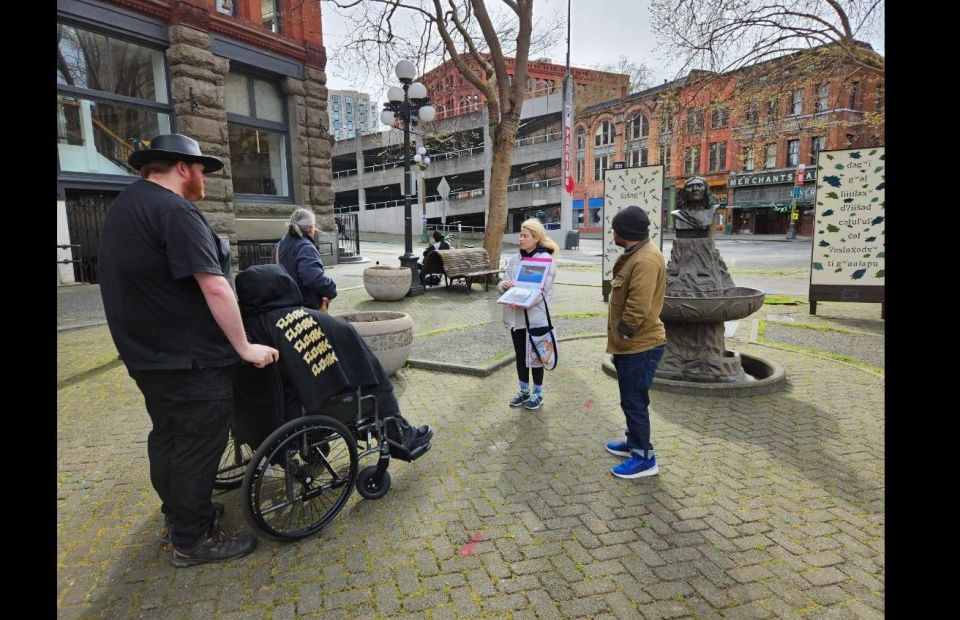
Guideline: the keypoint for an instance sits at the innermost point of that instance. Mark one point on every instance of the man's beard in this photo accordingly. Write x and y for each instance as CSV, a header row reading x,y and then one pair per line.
x,y
194,188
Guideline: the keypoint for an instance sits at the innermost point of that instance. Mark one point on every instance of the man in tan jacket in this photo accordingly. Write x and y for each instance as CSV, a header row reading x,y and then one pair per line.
x,y
635,336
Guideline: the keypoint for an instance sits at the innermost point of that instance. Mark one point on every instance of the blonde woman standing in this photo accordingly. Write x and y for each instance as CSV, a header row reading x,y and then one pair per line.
x,y
533,242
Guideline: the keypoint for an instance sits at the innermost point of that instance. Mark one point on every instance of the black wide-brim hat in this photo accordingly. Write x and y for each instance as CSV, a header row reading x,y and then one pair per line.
x,y
174,147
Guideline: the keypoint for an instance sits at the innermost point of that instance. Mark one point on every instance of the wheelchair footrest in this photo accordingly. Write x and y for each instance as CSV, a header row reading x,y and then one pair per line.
x,y
409,456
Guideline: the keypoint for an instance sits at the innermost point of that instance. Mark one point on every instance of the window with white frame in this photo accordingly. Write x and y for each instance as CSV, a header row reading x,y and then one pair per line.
x,y
694,120
638,127
773,109
258,135
665,158
111,100
270,15
718,156
599,165
770,155
691,160
604,134
750,114
749,158
854,92
817,144
581,139
720,118
793,152
796,102
823,97
637,157
579,177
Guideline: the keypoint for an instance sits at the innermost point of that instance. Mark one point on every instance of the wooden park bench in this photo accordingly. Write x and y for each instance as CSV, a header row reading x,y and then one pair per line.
x,y
469,265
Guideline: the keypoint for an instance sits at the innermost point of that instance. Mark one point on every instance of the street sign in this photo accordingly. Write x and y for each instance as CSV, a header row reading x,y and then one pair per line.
x,y
443,188
619,165
797,192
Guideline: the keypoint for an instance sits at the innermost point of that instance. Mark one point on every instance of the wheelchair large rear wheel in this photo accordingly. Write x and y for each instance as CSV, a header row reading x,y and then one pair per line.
x,y
233,464
300,478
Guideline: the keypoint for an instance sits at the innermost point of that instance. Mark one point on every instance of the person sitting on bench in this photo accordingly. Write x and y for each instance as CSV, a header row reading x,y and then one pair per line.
x,y
321,356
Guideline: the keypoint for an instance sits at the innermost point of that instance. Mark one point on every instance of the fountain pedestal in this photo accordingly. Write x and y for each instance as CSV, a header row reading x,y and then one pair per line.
x,y
700,296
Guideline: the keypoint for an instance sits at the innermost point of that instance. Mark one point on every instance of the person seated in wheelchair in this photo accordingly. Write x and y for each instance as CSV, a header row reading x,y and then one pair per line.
x,y
323,360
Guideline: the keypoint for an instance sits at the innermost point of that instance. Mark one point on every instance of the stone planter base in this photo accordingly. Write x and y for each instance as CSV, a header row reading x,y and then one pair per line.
x,y
387,283
388,334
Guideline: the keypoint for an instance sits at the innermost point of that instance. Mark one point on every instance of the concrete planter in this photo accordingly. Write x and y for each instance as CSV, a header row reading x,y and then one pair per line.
x,y
388,334
386,283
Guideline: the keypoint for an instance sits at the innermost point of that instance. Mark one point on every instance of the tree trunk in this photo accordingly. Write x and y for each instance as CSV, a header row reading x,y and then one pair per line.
x,y
504,133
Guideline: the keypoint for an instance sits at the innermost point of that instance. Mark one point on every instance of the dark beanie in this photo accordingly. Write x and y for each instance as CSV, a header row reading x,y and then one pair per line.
x,y
632,224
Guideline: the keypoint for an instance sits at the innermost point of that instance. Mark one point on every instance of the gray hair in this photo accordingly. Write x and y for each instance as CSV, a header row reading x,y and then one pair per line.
x,y
300,221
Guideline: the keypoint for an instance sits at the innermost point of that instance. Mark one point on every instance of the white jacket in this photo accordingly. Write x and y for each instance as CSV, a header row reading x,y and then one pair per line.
x,y
513,317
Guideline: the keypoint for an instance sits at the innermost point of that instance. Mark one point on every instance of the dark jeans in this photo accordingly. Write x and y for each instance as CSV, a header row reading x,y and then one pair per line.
x,y
520,348
635,376
191,412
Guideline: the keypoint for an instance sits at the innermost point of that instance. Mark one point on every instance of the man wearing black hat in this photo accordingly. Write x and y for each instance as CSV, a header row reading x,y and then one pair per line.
x,y
174,319
636,336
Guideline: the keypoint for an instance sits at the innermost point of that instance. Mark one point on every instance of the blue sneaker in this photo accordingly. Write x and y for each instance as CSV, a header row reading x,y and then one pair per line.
x,y
519,399
636,467
535,401
620,448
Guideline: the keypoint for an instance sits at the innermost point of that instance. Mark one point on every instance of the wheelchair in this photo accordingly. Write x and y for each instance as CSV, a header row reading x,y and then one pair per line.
x,y
296,470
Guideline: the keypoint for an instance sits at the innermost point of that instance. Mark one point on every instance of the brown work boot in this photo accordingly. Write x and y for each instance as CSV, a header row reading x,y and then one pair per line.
x,y
218,510
218,548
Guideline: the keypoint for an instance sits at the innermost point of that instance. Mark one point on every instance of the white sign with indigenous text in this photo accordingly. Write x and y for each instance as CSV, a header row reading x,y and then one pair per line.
x,y
642,187
849,226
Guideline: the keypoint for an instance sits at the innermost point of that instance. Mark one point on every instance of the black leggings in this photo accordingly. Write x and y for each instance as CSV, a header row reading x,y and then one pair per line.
x,y
520,348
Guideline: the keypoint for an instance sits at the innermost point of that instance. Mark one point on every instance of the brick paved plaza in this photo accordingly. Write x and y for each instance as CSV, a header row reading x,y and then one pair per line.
x,y
765,507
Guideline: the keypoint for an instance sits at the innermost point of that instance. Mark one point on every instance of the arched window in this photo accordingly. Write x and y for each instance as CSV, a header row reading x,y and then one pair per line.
x,y
638,127
604,134
581,139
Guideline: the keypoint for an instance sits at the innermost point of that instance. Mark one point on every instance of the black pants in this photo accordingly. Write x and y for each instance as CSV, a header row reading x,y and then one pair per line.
x,y
191,412
520,348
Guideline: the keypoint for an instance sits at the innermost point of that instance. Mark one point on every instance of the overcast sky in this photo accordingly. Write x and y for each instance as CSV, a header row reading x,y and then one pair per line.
x,y
600,32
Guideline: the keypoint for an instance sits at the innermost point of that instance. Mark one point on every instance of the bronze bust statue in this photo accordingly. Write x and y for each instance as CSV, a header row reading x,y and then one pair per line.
x,y
697,204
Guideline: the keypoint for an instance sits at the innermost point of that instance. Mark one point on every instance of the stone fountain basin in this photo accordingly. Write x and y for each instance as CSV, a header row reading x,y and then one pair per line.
x,y
727,305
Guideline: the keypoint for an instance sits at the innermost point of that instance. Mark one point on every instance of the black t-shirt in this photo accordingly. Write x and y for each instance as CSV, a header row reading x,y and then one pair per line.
x,y
152,243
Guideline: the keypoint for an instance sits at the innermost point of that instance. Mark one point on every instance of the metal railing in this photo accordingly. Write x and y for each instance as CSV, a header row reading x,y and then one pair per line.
x,y
348,234
550,137
534,184
252,252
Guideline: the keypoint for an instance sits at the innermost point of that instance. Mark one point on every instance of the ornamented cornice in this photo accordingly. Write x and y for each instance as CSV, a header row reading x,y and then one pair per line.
x,y
154,8
189,15
317,56
251,32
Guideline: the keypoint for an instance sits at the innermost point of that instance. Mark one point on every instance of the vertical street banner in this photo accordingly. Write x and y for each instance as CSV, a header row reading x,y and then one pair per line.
x,y
848,256
622,188
567,131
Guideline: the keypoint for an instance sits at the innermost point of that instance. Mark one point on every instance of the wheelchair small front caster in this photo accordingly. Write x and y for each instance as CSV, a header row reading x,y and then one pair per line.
x,y
370,486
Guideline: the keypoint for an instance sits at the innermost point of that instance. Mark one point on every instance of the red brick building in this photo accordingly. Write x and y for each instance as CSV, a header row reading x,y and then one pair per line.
x,y
747,141
453,95
245,78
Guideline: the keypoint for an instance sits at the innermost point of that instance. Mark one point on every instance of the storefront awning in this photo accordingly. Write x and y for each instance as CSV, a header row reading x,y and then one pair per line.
x,y
578,203
596,203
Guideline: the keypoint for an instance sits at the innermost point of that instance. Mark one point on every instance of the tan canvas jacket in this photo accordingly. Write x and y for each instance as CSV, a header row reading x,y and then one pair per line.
x,y
636,299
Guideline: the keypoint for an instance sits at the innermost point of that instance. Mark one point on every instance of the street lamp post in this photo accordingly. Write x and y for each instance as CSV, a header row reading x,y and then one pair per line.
x,y
408,105
423,161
